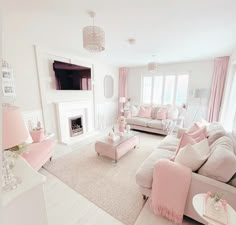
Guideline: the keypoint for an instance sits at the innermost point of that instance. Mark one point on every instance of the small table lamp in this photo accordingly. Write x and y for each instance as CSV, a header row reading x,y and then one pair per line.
x,y
14,133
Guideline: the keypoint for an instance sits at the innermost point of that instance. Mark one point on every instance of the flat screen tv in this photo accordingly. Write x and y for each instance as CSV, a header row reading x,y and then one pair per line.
x,y
72,77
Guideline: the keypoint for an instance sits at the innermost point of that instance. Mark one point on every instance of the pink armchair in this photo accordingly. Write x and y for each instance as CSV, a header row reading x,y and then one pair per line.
x,y
39,153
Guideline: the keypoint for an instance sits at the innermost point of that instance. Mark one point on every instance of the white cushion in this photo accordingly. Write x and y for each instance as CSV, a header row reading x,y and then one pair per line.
x,y
214,131
172,113
134,110
144,174
193,156
221,165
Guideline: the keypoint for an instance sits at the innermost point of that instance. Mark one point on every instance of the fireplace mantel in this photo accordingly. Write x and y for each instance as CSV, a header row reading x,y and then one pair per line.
x,y
66,110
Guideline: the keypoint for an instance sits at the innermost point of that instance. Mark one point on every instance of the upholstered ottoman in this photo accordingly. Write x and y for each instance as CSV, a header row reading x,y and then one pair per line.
x,y
116,149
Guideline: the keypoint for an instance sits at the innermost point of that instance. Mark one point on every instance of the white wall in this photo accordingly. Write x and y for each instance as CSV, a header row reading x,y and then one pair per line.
x,y
18,50
200,77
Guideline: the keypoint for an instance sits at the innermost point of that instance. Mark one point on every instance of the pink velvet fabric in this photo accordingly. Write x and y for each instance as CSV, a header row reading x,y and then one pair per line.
x,y
217,88
171,182
161,114
193,129
123,76
145,112
39,153
184,140
116,152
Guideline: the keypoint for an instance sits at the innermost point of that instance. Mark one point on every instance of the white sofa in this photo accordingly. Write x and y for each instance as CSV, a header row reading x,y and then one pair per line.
x,y
154,125
199,183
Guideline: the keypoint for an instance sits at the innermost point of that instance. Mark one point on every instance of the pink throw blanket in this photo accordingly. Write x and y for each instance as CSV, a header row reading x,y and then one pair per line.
x,y
170,187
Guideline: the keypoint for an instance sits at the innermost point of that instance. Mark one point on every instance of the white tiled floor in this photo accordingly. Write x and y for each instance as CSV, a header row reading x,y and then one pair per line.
x,y
67,207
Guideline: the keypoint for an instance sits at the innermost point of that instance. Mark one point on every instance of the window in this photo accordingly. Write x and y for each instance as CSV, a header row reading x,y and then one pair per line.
x,y
157,87
181,90
169,89
147,89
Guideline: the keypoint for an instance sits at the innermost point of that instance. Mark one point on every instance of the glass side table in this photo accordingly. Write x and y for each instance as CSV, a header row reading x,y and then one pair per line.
x,y
198,204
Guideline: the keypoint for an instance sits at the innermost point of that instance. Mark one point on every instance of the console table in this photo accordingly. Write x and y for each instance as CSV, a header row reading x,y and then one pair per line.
x,y
26,204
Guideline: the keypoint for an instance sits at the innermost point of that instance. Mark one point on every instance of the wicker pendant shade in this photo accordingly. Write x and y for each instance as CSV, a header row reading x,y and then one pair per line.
x,y
93,37
152,66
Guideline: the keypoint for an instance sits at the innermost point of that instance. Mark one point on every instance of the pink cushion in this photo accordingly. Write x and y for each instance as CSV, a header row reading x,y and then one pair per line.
x,y
198,135
145,112
161,114
184,140
193,129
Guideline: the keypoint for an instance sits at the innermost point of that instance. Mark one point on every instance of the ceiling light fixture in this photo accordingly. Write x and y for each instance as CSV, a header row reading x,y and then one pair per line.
x,y
152,66
93,37
131,41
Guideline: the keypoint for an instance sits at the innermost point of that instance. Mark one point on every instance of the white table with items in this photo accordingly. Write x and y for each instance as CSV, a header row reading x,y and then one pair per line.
x,y
25,204
198,204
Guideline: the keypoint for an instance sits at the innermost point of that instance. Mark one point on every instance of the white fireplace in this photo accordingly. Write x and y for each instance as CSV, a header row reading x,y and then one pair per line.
x,y
75,120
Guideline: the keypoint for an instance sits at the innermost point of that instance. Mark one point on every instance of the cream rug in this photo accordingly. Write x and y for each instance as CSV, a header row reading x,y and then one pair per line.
x,y
109,186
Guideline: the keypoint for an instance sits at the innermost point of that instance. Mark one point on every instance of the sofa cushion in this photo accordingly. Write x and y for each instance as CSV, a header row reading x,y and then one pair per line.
x,y
169,143
184,140
138,121
214,131
154,112
144,174
172,113
134,110
221,164
198,135
145,112
155,124
233,181
161,114
193,156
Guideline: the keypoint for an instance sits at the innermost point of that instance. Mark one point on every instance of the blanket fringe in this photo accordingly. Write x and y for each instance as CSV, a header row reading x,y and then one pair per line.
x,y
170,215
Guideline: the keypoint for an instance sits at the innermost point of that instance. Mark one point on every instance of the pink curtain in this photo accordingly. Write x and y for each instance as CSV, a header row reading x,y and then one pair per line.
x,y
123,76
217,87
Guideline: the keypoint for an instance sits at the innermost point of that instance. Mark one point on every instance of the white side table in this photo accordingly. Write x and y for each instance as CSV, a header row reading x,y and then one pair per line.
x,y
198,204
25,204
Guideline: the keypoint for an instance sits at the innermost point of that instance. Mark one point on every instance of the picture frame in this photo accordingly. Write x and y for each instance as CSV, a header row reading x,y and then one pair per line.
x,y
8,82
8,88
7,74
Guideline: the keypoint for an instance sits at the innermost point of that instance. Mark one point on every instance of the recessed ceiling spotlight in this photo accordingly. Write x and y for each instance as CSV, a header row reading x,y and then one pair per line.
x,y
131,41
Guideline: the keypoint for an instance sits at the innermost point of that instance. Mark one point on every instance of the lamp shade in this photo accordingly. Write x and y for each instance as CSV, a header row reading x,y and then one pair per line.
x,y
122,99
13,127
152,66
200,93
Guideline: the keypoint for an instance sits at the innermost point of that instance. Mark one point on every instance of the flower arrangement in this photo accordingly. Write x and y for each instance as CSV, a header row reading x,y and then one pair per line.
x,y
217,198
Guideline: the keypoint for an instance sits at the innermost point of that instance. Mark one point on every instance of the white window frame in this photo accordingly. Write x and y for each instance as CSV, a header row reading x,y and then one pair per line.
x,y
164,75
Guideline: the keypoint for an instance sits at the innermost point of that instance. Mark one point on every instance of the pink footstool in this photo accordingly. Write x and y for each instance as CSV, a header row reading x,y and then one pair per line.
x,y
116,149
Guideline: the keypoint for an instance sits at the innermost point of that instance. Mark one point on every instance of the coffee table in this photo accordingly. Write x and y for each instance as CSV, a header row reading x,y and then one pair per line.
x,y
116,149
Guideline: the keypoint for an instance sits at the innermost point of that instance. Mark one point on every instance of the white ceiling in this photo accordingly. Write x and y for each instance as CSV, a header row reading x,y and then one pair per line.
x,y
175,31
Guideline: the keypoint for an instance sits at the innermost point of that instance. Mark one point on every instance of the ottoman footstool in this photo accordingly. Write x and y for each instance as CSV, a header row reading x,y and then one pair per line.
x,y
116,149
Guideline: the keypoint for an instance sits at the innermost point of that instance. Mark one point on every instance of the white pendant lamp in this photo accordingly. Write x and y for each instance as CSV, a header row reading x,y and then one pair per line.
x,y
93,37
152,66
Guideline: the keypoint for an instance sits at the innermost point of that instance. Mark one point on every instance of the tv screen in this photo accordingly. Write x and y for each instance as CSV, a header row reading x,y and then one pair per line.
x,y
72,77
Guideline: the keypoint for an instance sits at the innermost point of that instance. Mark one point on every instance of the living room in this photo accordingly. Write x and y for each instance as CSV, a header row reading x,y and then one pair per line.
x,y
158,70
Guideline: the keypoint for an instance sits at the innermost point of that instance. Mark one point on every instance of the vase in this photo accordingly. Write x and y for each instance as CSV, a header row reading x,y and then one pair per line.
x,y
121,128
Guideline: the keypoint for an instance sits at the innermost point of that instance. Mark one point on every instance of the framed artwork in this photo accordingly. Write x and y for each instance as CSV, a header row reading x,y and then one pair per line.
x,y
8,82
